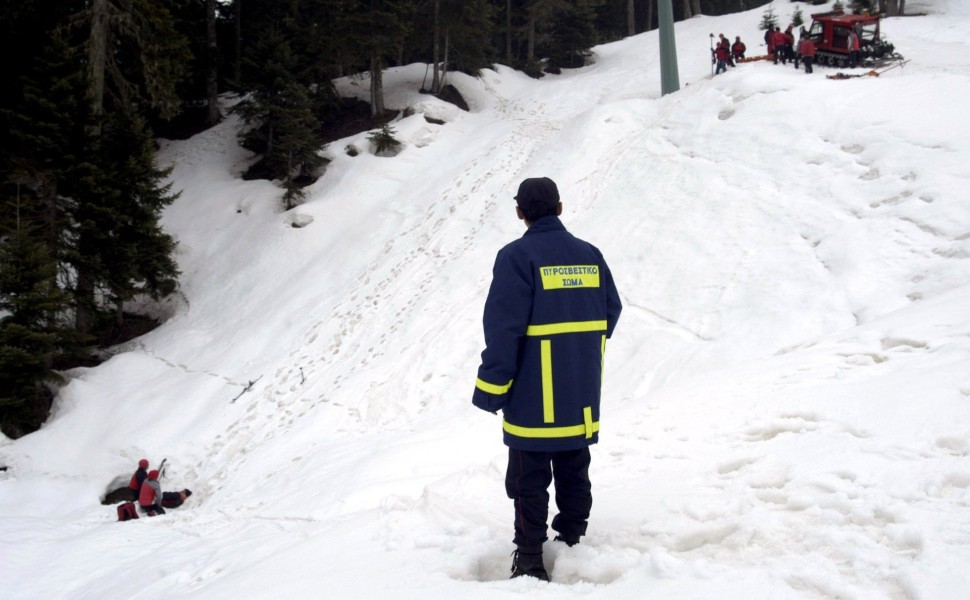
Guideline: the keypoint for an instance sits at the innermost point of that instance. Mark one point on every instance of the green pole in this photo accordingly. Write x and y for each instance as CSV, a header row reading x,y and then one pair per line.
x,y
669,79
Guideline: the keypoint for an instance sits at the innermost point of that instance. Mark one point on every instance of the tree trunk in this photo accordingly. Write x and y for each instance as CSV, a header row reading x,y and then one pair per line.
x,y
650,5
84,316
212,63
97,58
687,14
376,86
436,81
902,8
508,31
237,63
531,52
444,66
631,26
892,8
697,7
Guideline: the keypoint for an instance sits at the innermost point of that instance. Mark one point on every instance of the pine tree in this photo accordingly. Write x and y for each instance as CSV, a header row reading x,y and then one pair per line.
x,y
30,334
116,202
768,19
468,28
280,115
572,34
380,27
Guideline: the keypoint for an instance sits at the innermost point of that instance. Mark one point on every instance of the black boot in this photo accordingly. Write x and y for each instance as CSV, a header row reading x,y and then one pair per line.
x,y
529,565
568,539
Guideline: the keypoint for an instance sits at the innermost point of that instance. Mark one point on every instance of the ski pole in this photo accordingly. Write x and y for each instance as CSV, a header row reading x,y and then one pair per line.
x,y
712,55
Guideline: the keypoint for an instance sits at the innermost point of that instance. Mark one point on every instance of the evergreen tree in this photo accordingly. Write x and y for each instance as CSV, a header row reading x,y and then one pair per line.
x,y
381,28
30,334
136,59
91,175
468,31
280,115
572,32
768,19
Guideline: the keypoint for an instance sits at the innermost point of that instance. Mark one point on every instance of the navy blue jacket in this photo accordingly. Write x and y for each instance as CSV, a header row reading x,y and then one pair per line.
x,y
551,306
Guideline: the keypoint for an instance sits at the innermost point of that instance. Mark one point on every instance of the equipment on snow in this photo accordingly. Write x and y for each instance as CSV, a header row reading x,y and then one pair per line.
x,y
748,59
713,58
127,511
246,388
830,33
872,73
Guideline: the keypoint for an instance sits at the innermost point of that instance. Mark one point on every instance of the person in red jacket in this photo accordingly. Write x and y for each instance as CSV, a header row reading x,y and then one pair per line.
x,y
806,48
789,43
727,44
150,496
138,478
722,54
854,46
779,40
738,48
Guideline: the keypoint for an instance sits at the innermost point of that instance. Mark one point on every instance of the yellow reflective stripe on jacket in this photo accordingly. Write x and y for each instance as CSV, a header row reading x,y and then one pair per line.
x,y
545,355
491,388
572,327
587,429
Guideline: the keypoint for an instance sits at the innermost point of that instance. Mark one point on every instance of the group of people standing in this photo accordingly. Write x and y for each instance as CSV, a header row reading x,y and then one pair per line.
x,y
726,53
781,45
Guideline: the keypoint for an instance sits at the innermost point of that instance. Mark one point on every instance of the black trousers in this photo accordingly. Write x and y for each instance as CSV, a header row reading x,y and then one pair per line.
x,y
527,484
154,508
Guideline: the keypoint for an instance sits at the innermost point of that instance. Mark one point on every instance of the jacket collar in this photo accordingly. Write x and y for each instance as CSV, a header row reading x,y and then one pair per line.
x,y
545,224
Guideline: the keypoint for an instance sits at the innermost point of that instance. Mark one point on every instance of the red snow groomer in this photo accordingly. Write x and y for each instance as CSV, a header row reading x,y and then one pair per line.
x,y
830,33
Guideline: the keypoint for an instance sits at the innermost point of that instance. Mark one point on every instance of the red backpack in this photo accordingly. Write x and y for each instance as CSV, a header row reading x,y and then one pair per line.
x,y
127,511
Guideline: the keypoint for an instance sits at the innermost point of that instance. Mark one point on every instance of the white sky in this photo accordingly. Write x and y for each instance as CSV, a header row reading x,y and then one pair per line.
x,y
787,395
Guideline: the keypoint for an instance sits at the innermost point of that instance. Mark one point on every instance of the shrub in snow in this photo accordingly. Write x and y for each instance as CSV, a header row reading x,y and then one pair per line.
x,y
385,144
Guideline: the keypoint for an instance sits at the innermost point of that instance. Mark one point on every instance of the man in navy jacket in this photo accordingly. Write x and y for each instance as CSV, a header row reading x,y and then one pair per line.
x,y
551,306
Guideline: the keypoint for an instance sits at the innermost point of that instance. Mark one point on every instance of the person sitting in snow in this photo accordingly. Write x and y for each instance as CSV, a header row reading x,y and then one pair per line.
x,y
175,499
138,478
150,496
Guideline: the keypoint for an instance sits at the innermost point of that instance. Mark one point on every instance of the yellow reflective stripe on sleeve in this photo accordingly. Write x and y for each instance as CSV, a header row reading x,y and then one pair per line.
x,y
573,327
491,388
586,429
545,352
588,421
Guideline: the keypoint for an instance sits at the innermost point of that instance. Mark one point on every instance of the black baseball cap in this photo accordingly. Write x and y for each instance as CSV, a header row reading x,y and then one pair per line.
x,y
537,195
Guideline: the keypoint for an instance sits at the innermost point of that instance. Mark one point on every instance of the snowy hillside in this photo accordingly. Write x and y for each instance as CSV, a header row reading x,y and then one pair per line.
x,y
786,407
